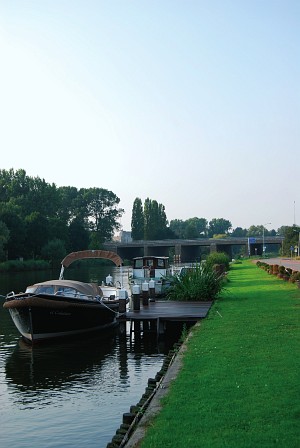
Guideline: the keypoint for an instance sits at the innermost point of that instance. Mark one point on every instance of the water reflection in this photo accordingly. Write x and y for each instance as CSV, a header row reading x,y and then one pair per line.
x,y
57,365
42,375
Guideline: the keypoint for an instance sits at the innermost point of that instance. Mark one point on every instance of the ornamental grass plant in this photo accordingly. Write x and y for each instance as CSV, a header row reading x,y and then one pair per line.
x,y
239,383
200,283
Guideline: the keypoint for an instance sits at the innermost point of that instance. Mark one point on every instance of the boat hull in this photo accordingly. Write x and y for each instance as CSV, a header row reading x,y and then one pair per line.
x,y
50,320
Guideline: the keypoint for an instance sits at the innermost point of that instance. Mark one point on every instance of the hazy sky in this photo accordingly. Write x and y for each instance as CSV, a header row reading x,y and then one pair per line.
x,y
195,104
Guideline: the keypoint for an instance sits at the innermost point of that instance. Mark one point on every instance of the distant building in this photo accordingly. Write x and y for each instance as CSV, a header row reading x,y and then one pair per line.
x,y
123,237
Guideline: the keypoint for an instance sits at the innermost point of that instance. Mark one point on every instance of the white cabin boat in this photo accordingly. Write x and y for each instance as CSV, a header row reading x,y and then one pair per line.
x,y
148,268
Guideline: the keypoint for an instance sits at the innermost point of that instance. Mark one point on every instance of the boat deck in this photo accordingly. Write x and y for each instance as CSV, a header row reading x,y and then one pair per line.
x,y
155,315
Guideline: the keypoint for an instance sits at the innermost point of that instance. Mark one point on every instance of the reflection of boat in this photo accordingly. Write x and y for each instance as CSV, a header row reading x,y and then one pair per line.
x,y
151,268
58,365
59,308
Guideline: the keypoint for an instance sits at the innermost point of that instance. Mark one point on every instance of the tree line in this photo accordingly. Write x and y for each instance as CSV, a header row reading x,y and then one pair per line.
x,y
149,222
39,220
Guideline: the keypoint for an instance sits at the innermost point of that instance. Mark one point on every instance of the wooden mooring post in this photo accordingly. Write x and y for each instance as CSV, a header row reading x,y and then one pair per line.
x,y
145,293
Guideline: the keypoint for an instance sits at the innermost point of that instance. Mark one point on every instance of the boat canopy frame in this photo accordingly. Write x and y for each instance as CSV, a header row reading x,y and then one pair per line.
x,y
84,254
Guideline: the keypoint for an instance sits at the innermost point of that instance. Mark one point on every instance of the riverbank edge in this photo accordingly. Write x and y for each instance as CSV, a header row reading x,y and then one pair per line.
x,y
136,421
155,404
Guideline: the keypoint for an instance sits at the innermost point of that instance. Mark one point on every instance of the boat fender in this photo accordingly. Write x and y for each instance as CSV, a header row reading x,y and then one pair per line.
x,y
109,280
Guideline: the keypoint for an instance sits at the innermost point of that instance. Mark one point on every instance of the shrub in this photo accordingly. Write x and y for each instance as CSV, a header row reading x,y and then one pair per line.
x,y
262,265
218,258
200,283
295,276
25,265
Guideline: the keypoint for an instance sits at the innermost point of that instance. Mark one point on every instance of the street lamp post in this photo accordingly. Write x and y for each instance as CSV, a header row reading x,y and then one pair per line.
x,y
263,248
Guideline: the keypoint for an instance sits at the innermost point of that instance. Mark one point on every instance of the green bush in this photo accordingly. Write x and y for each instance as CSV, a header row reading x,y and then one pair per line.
x,y
25,265
262,265
218,258
295,276
200,283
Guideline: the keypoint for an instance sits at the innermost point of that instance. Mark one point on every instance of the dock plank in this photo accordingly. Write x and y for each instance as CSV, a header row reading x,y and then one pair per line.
x,y
169,310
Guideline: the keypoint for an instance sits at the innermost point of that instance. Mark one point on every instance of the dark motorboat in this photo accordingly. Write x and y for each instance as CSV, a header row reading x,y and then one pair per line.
x,y
60,308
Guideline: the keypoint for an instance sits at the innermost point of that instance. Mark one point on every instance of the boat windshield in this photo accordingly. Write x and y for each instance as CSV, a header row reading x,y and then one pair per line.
x,y
57,290
49,289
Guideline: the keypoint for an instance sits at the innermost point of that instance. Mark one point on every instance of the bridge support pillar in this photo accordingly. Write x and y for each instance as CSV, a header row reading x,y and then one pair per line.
x,y
213,247
177,258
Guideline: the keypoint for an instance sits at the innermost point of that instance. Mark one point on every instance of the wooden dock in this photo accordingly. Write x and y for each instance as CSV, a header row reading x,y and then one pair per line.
x,y
154,316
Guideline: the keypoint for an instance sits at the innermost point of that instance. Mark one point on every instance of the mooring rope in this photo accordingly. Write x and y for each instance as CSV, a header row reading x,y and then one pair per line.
x,y
116,312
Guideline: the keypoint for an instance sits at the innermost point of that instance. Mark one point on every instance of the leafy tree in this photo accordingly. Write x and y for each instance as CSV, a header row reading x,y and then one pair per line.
x,y
54,251
29,193
78,235
148,220
58,228
155,220
281,230
169,234
41,197
200,224
70,204
137,220
37,230
162,222
19,184
191,228
10,215
255,231
178,227
259,231
5,185
191,231
219,226
4,236
239,232
102,213
291,239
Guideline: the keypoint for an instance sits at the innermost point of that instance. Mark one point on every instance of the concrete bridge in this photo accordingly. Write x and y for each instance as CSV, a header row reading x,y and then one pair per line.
x,y
192,250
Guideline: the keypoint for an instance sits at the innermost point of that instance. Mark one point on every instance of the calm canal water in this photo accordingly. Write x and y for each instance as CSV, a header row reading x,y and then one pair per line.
x,y
71,393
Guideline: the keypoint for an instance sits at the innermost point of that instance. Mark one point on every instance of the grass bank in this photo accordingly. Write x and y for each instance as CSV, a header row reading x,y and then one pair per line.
x,y
239,384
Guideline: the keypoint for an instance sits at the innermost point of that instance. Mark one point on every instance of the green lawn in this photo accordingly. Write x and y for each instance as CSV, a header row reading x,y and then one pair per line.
x,y
239,385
